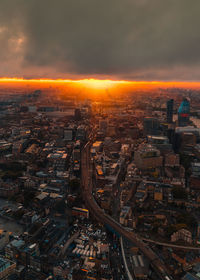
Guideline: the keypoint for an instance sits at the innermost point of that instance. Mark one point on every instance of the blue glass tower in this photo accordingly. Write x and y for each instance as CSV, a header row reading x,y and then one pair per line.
x,y
184,113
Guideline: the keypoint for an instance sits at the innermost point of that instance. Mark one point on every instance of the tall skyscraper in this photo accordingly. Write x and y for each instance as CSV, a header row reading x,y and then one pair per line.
x,y
151,126
77,114
184,113
170,108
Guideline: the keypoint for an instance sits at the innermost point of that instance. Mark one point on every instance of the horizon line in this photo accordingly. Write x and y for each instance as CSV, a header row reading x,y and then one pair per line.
x,y
60,80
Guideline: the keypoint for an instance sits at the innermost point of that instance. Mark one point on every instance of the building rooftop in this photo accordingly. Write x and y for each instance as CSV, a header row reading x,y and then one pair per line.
x,y
189,276
4,264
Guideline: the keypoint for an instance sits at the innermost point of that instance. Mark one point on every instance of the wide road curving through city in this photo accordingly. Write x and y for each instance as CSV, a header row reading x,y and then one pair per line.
x,y
99,215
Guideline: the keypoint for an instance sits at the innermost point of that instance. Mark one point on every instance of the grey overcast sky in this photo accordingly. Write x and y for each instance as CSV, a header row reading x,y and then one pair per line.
x,y
116,39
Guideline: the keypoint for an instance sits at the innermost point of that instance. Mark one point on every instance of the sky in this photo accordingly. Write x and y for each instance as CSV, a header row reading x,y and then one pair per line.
x,y
141,40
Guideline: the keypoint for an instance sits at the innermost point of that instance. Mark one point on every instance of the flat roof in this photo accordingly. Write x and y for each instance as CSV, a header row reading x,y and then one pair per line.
x,y
4,264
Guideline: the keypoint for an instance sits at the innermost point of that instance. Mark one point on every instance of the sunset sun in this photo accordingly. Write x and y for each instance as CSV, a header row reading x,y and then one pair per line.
x,y
98,84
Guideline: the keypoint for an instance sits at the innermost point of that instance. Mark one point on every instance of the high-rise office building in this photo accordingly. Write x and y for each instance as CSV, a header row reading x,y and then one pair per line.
x,y
77,114
184,113
151,126
170,108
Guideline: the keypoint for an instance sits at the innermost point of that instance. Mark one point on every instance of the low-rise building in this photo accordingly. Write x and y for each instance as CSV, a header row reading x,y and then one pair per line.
x,y
182,234
148,157
7,267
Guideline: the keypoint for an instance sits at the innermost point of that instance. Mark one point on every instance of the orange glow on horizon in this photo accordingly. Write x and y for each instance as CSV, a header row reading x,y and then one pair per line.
x,y
87,83
99,84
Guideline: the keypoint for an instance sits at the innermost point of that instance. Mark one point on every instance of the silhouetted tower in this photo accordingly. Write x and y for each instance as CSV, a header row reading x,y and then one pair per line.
x,y
77,114
170,108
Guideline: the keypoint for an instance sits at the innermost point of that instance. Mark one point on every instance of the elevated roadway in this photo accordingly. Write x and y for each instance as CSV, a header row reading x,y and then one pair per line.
x,y
181,247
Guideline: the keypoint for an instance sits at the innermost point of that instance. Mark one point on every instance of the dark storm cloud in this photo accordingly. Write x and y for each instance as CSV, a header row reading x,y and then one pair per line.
x,y
135,39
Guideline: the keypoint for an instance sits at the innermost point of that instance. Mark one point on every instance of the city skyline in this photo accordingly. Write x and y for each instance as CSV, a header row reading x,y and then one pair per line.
x,y
99,85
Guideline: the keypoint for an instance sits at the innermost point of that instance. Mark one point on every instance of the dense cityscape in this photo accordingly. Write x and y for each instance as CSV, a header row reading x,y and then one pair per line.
x,y
100,190
99,140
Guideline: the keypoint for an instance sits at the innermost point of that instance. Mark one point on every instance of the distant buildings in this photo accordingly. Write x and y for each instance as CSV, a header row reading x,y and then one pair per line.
x,y
77,114
103,125
81,133
68,134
